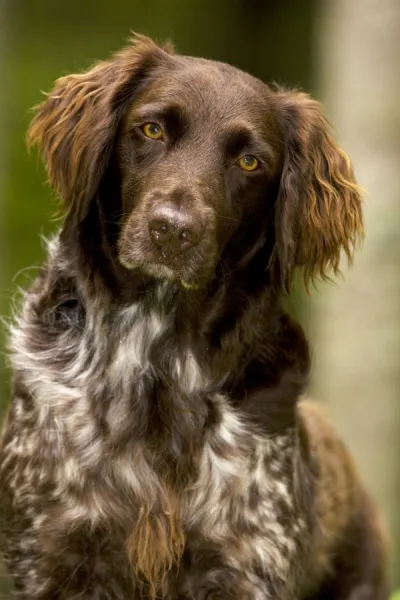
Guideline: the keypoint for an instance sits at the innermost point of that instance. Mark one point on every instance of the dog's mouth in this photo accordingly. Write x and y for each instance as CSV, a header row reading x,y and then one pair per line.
x,y
162,271
189,279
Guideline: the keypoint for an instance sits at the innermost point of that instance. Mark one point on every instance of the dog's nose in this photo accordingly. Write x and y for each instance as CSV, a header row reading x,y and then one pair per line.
x,y
176,229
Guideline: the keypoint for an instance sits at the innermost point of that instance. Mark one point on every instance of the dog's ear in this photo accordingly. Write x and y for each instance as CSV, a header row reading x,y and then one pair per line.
x,y
318,211
75,126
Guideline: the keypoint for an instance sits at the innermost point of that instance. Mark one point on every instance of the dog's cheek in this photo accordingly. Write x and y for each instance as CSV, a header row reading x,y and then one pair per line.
x,y
130,193
246,193
133,243
258,211
132,171
235,185
227,210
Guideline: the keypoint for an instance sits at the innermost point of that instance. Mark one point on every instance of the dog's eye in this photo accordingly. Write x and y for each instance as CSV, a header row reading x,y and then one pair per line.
x,y
249,162
153,131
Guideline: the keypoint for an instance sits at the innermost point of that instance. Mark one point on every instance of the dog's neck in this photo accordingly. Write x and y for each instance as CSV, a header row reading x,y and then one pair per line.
x,y
224,326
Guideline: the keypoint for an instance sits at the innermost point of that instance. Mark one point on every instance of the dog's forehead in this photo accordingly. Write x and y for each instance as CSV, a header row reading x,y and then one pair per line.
x,y
210,88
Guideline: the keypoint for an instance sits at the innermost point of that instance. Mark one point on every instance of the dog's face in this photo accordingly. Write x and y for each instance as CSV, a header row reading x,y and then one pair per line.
x,y
198,152
212,164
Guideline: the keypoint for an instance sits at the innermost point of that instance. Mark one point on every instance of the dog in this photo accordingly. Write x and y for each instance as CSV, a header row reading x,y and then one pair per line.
x,y
159,443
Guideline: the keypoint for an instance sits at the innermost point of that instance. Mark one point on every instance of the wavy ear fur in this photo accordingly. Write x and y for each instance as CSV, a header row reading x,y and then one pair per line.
x,y
319,207
75,126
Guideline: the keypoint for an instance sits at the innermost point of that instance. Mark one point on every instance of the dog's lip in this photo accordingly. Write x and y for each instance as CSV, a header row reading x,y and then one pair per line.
x,y
190,285
162,269
153,266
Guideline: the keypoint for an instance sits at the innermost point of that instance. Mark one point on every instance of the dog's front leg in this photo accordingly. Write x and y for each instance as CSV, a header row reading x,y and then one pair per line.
x,y
83,566
246,527
207,580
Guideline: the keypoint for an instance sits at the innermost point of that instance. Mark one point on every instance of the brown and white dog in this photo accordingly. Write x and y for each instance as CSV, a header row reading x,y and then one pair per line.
x,y
157,445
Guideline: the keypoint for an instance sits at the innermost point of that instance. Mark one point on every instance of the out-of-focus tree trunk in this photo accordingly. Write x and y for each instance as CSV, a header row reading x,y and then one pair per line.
x,y
356,325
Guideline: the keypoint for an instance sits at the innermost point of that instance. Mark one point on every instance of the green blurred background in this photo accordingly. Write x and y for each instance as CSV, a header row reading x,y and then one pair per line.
x,y
347,53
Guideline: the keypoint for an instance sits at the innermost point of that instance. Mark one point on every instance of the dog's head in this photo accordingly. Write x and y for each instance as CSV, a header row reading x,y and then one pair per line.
x,y
209,165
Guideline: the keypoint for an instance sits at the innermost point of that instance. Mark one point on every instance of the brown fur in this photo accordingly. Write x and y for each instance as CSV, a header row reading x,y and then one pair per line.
x,y
337,485
316,168
310,235
156,544
67,128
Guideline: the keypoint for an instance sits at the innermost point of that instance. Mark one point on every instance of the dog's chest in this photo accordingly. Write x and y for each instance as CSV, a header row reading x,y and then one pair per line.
x,y
243,486
142,341
244,497
144,356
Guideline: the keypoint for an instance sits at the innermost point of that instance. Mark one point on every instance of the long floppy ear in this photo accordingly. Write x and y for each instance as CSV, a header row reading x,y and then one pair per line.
x,y
318,211
75,127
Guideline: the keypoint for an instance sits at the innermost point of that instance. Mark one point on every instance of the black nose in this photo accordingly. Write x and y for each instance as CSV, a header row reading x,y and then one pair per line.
x,y
176,229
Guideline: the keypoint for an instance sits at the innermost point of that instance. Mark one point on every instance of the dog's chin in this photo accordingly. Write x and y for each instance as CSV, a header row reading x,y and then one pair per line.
x,y
165,273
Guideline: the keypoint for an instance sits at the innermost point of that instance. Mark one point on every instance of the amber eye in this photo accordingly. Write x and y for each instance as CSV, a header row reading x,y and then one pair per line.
x,y
249,163
153,131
